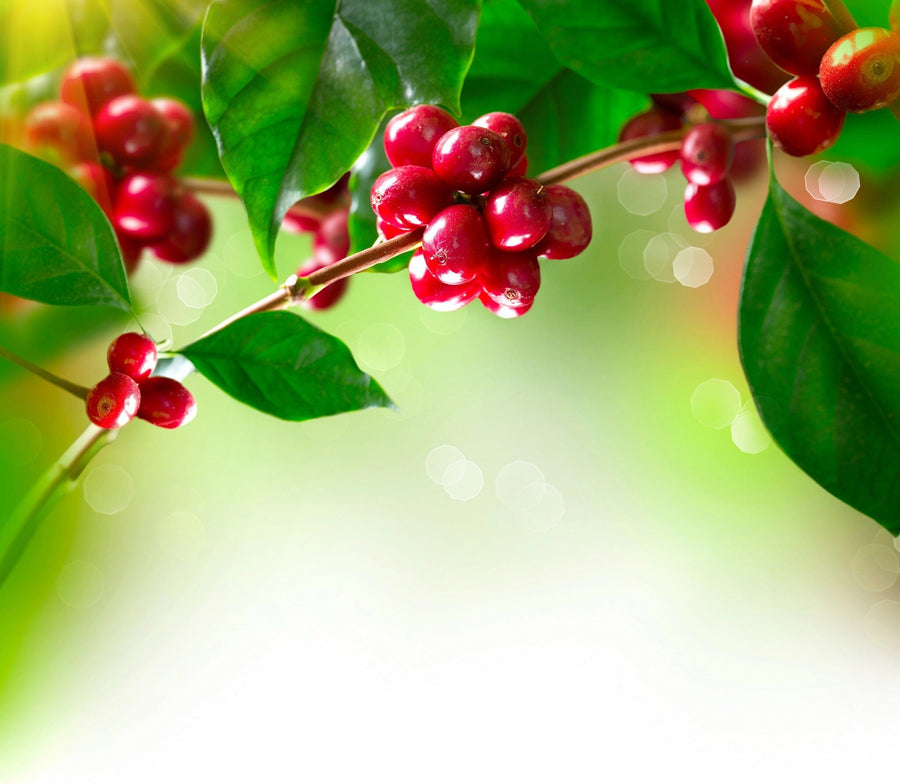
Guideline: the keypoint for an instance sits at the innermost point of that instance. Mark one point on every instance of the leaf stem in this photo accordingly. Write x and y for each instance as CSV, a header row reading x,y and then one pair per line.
x,y
841,14
76,389
16,532
310,207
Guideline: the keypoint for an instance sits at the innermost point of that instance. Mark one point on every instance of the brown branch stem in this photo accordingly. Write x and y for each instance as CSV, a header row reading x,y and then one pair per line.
x,y
76,389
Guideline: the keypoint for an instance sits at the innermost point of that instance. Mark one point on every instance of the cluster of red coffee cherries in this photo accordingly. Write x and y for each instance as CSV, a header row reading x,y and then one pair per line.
x,y
485,222
122,149
834,73
706,155
131,391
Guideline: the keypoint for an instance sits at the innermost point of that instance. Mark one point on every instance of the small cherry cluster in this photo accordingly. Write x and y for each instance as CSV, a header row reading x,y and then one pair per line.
x,y
706,155
122,149
130,391
485,222
833,73
331,240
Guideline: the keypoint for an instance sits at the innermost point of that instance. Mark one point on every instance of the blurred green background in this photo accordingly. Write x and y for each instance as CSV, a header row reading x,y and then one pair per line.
x,y
611,571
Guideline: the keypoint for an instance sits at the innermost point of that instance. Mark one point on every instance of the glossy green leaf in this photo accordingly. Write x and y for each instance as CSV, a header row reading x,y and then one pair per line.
x,y
650,46
294,92
820,343
282,365
564,114
56,245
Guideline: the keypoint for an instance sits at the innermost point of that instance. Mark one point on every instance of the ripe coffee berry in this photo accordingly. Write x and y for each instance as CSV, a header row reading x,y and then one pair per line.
x,y
166,402
91,82
58,130
470,159
709,207
861,70
570,224
190,233
114,401
133,354
180,126
436,295
131,130
410,136
510,128
456,245
517,213
144,207
794,33
511,278
800,118
504,311
408,197
653,121
706,153
331,242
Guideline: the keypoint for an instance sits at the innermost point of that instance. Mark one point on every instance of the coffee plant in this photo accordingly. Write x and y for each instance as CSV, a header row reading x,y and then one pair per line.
x,y
417,138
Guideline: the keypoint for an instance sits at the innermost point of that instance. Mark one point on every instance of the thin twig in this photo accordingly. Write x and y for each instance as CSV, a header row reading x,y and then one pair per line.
x,y
76,389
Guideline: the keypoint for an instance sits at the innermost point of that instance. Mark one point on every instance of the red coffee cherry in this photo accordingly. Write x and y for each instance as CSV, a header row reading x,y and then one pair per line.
x,y
97,181
180,124
706,153
133,354
408,197
456,245
794,33
297,223
471,159
331,242
653,121
504,311
570,229
166,402
60,130
386,230
331,294
511,278
410,136
131,130
190,233
436,295
91,82
144,206
517,213
745,56
861,70
510,128
801,120
709,207
131,249
114,401
520,169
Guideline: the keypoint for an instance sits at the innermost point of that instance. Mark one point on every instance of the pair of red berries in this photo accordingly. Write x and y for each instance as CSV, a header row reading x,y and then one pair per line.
x,y
129,390
485,223
706,156
834,73
122,149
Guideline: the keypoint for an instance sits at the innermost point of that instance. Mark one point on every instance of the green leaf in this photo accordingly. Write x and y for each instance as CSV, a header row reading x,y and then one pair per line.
x,y
282,365
294,92
650,46
564,114
820,344
56,245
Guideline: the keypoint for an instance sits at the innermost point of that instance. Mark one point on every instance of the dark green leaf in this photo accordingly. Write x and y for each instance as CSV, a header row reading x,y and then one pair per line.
x,y
564,114
282,365
820,343
650,46
56,245
294,91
